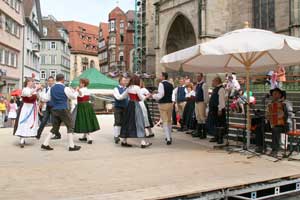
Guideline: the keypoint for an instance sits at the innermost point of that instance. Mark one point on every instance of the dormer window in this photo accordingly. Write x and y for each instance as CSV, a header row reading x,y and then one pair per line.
x,y
112,25
45,31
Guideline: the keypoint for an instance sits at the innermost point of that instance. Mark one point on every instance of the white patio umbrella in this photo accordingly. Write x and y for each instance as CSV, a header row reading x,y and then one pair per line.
x,y
244,50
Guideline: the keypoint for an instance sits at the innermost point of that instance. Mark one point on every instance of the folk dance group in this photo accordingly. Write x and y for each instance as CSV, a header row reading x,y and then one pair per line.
x,y
131,113
132,118
54,98
200,114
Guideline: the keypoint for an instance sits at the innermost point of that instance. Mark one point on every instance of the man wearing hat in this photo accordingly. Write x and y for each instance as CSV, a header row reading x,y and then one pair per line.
x,y
277,115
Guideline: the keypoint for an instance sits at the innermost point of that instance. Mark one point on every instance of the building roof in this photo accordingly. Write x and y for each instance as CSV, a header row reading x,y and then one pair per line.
x,y
130,14
52,29
83,37
28,6
105,32
117,11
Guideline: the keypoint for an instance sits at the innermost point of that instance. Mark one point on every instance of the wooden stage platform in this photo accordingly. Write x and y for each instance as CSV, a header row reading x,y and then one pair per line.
x,y
107,171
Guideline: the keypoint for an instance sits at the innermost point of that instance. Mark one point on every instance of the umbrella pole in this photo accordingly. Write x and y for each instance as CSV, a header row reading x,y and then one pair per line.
x,y
248,106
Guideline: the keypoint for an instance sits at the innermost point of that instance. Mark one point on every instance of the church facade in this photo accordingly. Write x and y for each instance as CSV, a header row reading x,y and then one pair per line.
x,y
177,24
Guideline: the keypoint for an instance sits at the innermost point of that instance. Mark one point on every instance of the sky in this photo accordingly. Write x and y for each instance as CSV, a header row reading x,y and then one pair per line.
x,y
93,12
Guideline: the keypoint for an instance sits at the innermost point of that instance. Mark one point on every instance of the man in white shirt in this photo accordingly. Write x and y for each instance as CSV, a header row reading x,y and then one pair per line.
x,y
178,98
202,97
216,115
47,110
120,106
165,105
59,95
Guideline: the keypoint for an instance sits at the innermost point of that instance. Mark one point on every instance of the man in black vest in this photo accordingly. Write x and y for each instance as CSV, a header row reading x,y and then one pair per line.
x,y
202,97
216,115
165,105
178,97
119,108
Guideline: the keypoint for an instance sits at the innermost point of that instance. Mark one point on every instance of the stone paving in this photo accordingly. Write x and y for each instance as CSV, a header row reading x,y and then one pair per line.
x,y
106,171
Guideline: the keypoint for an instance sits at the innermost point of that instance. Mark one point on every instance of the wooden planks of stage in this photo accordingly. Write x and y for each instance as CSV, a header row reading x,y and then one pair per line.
x,y
107,171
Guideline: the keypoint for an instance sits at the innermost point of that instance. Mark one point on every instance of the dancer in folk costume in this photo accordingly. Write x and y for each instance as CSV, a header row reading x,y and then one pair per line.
x,y
202,99
86,120
188,116
133,125
165,105
27,123
46,110
120,106
59,95
216,120
178,97
146,112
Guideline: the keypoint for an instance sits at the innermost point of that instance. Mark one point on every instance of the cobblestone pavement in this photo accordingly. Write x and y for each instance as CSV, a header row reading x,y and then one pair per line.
x,y
106,171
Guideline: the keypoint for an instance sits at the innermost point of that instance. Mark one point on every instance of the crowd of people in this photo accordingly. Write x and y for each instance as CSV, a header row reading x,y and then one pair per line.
x,y
189,101
198,111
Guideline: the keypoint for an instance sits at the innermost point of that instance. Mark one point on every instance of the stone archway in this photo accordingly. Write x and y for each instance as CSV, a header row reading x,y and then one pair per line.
x,y
181,35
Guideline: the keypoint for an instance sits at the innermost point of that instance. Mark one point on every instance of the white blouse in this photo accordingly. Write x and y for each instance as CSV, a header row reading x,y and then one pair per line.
x,y
144,91
84,92
189,94
28,92
133,89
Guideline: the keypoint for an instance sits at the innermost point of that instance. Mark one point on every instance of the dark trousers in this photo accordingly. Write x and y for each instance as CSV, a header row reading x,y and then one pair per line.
x,y
276,136
60,116
44,120
119,114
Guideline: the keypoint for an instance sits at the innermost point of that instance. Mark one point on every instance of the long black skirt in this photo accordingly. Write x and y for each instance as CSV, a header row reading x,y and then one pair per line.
x,y
189,116
133,125
214,121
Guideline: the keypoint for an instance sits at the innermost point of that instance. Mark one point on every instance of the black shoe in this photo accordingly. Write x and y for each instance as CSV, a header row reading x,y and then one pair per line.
x,y
90,142
180,129
203,136
117,140
220,141
38,136
47,148
84,139
75,148
56,137
274,154
143,146
123,144
150,136
258,150
213,140
21,145
195,135
189,132
169,142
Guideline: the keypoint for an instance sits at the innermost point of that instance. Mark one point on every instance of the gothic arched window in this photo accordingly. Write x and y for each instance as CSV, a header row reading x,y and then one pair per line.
x,y
264,14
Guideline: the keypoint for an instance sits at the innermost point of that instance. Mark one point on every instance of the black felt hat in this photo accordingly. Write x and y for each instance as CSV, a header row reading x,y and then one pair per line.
x,y
276,89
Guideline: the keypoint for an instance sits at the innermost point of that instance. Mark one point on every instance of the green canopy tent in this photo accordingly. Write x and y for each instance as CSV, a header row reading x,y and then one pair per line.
x,y
97,80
